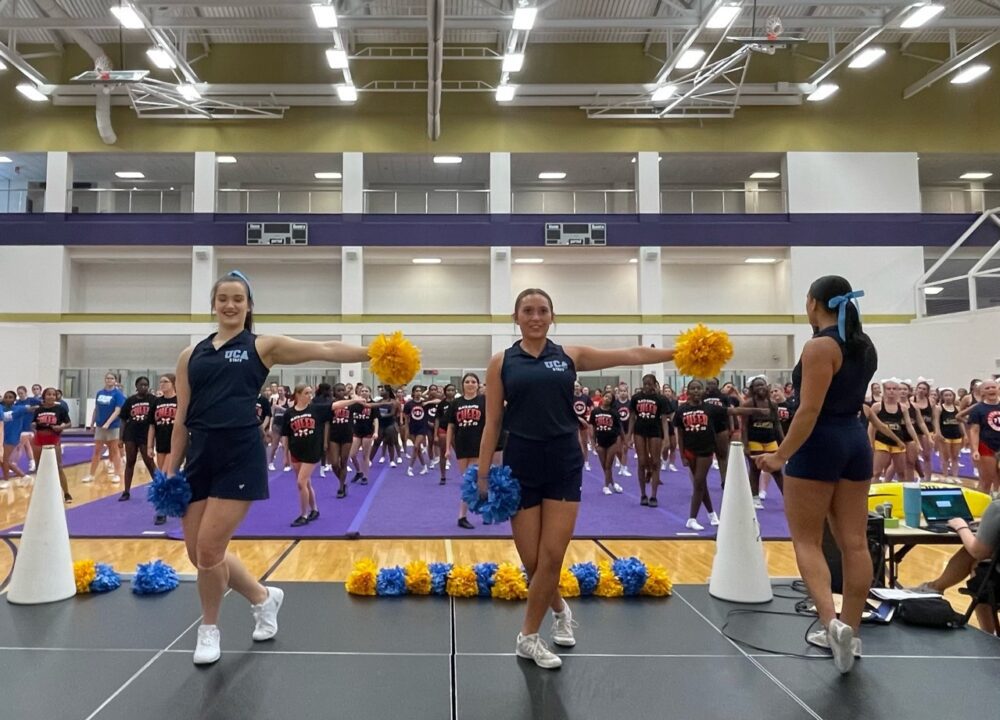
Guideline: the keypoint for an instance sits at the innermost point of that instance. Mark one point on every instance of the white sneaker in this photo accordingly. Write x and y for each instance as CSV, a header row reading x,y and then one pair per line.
x,y
270,466
625,472
820,639
618,463
715,464
381,460
208,649
607,490
328,467
447,465
265,615
763,494
617,488
672,468
758,505
409,471
31,466
841,639
4,484
713,518
534,648
434,462
115,479
693,524
87,479
586,465
392,464
322,471
562,627
423,470
106,453
663,465
286,468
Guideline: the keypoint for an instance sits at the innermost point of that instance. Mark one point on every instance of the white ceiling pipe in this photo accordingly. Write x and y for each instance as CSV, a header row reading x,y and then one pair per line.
x,y
435,66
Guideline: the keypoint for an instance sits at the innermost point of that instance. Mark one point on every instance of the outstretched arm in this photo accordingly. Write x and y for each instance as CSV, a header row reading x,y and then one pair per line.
x,y
589,358
282,350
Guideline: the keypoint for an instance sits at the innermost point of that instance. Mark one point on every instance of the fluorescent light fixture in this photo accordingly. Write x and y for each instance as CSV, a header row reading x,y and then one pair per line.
x,y
662,93
763,175
760,261
551,176
505,93
447,160
327,176
524,18
129,175
933,290
5,159
336,59
161,58
127,16
964,176
347,93
658,159
225,159
426,261
690,59
325,15
188,92
822,92
921,16
866,58
969,73
724,15
31,92
513,62
529,261
633,261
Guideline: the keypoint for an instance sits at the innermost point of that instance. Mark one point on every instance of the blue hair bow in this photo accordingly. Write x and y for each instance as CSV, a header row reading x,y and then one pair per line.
x,y
841,302
241,276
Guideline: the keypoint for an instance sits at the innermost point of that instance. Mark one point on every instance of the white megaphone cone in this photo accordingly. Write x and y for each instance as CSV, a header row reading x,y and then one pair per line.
x,y
43,571
739,571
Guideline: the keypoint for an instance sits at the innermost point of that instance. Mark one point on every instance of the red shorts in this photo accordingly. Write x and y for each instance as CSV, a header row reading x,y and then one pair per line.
x,y
985,450
46,437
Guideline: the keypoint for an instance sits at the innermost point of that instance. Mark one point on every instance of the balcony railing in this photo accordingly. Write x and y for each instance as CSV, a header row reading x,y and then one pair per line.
x,y
958,200
427,202
689,201
573,202
124,200
22,201
284,200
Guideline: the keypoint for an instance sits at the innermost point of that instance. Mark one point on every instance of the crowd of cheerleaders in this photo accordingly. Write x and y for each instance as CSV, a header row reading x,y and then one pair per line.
x,y
345,429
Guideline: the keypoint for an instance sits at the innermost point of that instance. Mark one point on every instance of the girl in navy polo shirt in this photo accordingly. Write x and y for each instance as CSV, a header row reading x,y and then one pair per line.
x,y
531,387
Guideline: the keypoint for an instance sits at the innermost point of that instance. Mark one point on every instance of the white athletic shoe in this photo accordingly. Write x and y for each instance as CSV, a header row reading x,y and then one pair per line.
x,y
693,524
423,470
115,479
663,464
286,468
713,518
265,615
392,464
447,465
4,484
618,463
758,504
270,467
841,639
381,460
434,462
625,472
763,494
31,466
617,488
586,465
819,638
715,464
607,490
106,453
409,471
562,627
322,471
532,647
208,649
672,468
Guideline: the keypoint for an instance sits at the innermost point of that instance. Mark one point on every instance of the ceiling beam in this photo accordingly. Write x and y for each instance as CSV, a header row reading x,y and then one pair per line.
x,y
948,66
856,45
14,59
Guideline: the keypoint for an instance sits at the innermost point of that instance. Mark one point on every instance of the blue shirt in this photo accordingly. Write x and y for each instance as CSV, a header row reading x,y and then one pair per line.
x,y
539,392
30,403
14,419
225,384
107,401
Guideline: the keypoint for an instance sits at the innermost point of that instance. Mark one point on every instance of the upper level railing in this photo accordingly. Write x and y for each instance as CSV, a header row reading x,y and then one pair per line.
x,y
957,200
125,200
279,200
684,201
22,201
573,202
426,202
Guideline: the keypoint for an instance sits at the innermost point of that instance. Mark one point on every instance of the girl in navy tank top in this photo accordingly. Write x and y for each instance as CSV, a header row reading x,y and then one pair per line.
x,y
531,389
216,430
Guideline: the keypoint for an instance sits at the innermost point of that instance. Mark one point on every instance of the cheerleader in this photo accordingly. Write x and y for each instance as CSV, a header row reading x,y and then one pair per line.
x,y
669,455
302,436
607,434
416,416
363,421
388,433
702,429
440,429
135,432
874,394
466,420
984,436
280,403
340,436
12,419
263,410
923,405
162,411
648,428
623,407
950,433
582,405
48,422
890,412
761,434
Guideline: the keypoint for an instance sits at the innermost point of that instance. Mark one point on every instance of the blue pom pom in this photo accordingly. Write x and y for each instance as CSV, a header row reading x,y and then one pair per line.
x,y
632,574
503,500
439,578
485,573
106,579
169,495
587,575
154,577
391,582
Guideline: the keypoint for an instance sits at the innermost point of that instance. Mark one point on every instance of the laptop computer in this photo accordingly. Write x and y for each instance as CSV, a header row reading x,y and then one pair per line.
x,y
939,505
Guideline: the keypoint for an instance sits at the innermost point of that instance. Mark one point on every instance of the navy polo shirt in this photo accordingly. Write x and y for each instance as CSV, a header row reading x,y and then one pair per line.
x,y
539,392
225,384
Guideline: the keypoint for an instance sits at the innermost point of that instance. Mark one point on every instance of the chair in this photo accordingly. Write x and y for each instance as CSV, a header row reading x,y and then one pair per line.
x,y
984,588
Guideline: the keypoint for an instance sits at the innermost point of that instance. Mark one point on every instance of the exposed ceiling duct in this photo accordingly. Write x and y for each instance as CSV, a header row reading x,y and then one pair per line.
x,y
435,64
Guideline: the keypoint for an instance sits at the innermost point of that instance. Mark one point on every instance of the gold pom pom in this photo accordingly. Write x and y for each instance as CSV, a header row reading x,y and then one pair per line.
x,y
657,582
608,585
702,352
569,586
362,579
84,572
462,582
509,583
418,578
394,359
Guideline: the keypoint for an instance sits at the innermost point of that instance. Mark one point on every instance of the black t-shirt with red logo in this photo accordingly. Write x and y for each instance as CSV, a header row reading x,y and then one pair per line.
x,y
624,411
417,416
304,430
607,425
582,405
362,420
469,419
987,417
784,416
162,412
135,416
47,418
341,425
699,424
649,410
263,408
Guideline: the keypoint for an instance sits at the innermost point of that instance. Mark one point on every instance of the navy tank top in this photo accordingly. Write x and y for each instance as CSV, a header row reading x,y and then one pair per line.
x,y
225,384
539,392
848,386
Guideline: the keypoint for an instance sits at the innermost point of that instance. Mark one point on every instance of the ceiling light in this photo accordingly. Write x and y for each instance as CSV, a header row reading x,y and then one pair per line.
x,y
225,159
551,175
161,58
189,92
760,261
822,92
969,73
5,159
447,160
129,175
762,175
633,261
505,93
336,59
659,158
690,59
327,176
347,93
325,15
529,261
724,15
975,176
2,66
31,92
866,58
662,93
513,62
921,16
934,290
524,18
426,261
127,16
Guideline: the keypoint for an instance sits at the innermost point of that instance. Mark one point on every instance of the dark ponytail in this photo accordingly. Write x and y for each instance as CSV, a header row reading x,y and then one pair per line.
x,y
856,343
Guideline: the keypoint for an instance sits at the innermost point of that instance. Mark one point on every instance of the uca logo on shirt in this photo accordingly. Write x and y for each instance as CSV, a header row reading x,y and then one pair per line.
x,y
557,365
237,356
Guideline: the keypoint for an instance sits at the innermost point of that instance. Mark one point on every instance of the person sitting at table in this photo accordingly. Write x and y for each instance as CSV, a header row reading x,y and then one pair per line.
x,y
976,547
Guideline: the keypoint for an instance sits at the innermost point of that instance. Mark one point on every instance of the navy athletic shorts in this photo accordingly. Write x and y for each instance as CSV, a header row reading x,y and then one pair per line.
x,y
837,449
227,464
547,469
